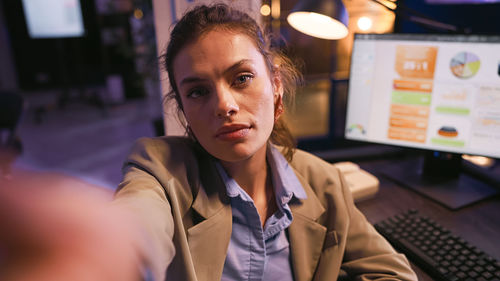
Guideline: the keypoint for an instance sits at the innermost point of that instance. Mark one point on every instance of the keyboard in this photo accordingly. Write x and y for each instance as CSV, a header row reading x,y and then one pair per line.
x,y
440,253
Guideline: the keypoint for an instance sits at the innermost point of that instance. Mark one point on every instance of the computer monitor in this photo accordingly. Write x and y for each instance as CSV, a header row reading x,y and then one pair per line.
x,y
53,18
439,93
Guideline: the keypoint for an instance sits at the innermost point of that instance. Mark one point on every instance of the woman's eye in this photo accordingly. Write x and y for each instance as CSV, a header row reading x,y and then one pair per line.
x,y
243,79
196,93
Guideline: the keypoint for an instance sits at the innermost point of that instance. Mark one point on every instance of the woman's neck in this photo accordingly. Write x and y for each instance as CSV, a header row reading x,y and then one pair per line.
x,y
250,174
253,175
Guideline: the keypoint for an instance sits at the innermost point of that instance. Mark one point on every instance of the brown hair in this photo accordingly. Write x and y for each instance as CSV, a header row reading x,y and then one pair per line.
x,y
202,19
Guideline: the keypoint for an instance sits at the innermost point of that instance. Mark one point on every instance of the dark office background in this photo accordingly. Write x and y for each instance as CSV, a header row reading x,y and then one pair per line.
x,y
479,18
65,80
84,61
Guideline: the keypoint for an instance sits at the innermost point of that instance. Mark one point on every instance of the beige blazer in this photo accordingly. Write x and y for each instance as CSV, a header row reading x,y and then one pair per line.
x,y
173,187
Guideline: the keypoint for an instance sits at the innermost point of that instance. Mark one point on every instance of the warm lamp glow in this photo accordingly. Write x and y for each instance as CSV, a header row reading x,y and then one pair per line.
x,y
479,160
317,25
138,14
365,23
265,10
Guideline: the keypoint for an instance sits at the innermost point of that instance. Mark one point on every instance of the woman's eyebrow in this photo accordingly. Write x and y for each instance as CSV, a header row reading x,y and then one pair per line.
x,y
232,68
190,79
238,64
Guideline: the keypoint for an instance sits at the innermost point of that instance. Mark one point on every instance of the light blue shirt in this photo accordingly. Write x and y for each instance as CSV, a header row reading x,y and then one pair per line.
x,y
257,253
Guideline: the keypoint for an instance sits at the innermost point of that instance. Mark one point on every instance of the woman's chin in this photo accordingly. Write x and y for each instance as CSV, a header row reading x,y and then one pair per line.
x,y
233,156
235,153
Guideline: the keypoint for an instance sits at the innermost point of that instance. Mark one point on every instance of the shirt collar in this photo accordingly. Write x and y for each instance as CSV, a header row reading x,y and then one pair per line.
x,y
232,187
286,184
285,181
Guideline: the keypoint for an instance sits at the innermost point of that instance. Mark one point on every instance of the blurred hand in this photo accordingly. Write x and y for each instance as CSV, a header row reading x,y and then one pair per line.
x,y
54,227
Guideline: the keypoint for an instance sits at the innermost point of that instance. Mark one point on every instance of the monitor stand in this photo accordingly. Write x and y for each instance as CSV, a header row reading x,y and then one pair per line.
x,y
440,177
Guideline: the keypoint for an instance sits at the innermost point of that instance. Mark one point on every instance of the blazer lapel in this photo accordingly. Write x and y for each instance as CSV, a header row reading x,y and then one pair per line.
x,y
209,239
305,234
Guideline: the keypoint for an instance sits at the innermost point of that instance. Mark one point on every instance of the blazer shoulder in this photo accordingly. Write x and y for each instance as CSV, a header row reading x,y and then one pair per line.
x,y
322,177
165,156
310,165
162,150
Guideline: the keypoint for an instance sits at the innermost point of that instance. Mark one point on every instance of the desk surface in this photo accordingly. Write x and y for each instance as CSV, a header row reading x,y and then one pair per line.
x,y
479,223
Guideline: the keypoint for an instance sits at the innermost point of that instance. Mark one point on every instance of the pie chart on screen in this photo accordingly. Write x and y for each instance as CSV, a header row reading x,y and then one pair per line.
x,y
464,65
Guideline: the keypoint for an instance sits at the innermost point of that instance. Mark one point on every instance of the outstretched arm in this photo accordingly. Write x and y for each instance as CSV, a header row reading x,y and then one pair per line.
x,y
54,227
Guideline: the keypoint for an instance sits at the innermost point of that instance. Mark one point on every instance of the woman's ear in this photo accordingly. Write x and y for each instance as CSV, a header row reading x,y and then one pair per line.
x,y
277,84
278,93
279,108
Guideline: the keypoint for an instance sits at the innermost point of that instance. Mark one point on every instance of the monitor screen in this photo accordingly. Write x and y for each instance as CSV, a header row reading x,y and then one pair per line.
x,y
433,92
53,18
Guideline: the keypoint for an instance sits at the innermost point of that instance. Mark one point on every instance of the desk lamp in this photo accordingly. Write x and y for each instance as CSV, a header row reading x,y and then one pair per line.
x,y
326,19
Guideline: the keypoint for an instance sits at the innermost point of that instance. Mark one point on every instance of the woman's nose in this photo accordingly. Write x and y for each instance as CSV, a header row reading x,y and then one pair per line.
x,y
226,104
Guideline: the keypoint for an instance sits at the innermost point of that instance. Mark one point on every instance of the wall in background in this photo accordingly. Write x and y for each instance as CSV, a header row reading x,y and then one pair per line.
x,y
481,18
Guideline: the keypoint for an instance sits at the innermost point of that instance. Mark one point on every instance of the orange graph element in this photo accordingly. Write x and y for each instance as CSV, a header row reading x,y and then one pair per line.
x,y
417,86
414,61
490,122
448,131
406,135
408,123
405,110
455,95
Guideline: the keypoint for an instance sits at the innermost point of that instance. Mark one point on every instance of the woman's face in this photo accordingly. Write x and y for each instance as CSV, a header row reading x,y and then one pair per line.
x,y
227,93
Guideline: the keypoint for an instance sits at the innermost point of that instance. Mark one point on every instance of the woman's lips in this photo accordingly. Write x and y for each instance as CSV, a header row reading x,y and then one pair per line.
x,y
232,132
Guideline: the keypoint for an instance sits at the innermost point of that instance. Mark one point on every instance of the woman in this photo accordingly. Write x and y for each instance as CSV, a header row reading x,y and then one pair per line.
x,y
234,200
